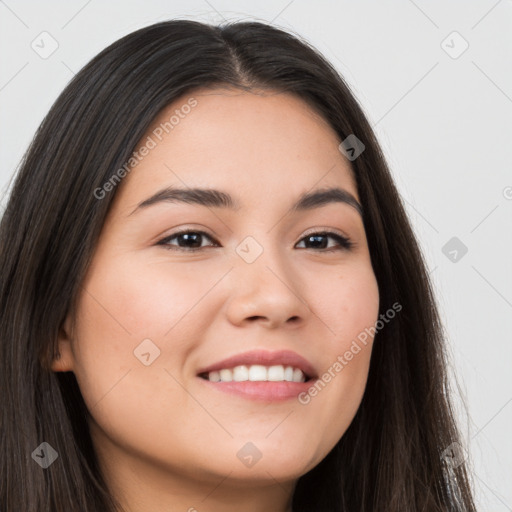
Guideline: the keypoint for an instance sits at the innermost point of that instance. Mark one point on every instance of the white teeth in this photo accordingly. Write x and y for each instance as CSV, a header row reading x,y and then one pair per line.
x,y
214,376
298,376
226,375
258,373
288,374
240,373
276,373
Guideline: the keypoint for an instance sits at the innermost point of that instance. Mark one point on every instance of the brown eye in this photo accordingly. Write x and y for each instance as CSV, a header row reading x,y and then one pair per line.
x,y
320,241
186,240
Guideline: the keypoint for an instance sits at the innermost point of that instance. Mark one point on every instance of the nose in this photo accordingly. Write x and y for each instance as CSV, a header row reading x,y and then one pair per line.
x,y
266,292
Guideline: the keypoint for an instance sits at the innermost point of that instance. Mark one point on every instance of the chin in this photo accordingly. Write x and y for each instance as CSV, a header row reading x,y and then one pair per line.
x,y
275,459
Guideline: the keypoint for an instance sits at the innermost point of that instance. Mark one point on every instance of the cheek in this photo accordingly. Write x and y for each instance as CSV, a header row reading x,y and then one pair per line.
x,y
347,302
349,305
132,300
123,395
126,302
149,298
352,314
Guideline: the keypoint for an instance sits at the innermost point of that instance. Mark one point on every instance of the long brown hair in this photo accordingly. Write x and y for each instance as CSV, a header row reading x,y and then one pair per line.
x,y
390,458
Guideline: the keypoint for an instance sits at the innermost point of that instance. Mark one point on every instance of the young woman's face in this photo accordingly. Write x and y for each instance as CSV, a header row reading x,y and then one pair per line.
x,y
256,283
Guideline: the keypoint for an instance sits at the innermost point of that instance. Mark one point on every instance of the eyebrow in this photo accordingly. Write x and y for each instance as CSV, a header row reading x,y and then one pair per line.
x,y
219,199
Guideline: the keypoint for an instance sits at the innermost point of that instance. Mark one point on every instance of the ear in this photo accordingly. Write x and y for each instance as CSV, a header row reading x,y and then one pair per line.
x,y
63,361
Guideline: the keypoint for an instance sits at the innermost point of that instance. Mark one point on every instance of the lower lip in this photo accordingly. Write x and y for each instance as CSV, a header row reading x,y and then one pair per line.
x,y
266,391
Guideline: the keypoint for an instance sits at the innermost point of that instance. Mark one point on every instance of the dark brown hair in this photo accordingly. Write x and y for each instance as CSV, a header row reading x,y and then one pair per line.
x,y
390,458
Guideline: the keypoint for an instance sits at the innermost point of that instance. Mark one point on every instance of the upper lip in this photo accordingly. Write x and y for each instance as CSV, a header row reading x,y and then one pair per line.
x,y
265,358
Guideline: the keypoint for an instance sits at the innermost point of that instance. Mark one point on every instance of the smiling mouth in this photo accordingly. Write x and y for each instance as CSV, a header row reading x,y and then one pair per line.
x,y
257,373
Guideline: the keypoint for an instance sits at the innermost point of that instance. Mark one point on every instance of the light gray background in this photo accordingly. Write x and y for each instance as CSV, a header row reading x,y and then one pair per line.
x,y
445,125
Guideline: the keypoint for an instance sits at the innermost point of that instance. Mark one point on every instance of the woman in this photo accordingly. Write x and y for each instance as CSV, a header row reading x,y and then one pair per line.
x,y
212,298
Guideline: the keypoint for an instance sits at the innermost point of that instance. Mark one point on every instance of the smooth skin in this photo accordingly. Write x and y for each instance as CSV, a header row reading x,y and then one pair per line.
x,y
165,439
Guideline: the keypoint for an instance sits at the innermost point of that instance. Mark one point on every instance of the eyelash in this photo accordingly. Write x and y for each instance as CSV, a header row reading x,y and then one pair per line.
x,y
344,242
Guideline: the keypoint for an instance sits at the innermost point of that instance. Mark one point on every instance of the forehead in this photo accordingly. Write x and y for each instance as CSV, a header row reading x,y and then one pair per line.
x,y
262,146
